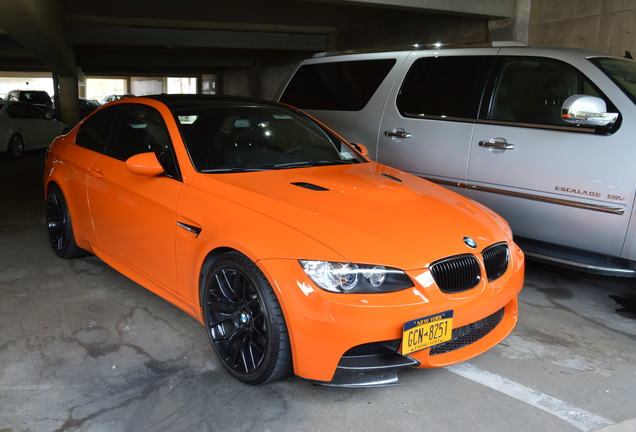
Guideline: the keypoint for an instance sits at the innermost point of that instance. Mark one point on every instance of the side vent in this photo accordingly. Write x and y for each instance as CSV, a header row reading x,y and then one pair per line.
x,y
392,178
310,186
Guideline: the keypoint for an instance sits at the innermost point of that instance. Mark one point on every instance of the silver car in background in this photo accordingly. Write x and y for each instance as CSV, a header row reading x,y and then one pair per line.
x,y
546,137
25,127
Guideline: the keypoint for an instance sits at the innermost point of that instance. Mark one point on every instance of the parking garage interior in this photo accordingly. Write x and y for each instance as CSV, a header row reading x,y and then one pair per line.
x,y
83,348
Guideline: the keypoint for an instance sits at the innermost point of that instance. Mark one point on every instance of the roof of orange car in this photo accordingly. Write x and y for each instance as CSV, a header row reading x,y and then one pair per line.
x,y
193,100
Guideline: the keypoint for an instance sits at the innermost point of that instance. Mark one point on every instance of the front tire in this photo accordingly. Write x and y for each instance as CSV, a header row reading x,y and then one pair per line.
x,y
58,220
16,146
244,321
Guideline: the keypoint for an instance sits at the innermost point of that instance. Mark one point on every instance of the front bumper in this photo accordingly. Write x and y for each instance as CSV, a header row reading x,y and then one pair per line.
x,y
323,326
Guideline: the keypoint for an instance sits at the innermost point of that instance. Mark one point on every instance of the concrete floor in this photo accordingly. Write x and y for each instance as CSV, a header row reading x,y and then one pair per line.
x,y
82,348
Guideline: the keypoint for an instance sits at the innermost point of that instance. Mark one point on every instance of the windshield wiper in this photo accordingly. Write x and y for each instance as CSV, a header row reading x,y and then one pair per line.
x,y
314,163
230,170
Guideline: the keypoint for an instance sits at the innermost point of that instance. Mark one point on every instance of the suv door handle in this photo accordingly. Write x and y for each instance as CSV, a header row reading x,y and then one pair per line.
x,y
96,172
497,143
397,133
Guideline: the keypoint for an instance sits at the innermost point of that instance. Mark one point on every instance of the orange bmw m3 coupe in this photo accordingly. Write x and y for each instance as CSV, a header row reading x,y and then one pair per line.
x,y
296,252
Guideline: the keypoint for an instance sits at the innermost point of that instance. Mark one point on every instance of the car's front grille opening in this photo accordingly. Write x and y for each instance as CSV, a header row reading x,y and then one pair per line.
x,y
456,274
374,348
496,260
469,333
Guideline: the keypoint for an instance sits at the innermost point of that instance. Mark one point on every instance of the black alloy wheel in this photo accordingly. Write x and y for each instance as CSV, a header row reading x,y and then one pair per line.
x,y
244,321
58,222
16,146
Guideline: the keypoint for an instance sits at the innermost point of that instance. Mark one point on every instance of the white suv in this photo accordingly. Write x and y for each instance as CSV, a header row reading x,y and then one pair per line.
x,y
544,136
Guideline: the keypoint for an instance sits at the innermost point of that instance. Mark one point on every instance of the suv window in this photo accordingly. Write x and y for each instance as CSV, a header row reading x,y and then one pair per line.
x,y
94,133
338,86
139,129
532,90
444,87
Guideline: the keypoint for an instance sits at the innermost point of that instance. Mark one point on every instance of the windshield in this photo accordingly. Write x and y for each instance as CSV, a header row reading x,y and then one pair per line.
x,y
254,138
36,97
621,71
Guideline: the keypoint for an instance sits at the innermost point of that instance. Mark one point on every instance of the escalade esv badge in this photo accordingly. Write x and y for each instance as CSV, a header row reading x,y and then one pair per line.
x,y
470,242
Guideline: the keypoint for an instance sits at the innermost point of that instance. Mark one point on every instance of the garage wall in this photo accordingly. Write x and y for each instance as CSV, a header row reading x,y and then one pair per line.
x,y
378,31
395,28
601,25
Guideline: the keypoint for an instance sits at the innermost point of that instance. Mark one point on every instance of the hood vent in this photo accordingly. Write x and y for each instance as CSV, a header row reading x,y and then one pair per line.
x,y
310,186
391,177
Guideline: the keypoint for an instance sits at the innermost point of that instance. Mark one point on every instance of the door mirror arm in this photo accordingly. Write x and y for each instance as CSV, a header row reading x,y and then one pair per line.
x,y
361,148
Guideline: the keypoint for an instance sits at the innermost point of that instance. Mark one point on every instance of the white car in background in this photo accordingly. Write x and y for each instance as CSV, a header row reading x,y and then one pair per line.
x,y
25,127
115,97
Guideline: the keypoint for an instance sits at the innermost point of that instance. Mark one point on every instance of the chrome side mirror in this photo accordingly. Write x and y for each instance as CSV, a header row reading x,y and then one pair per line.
x,y
587,111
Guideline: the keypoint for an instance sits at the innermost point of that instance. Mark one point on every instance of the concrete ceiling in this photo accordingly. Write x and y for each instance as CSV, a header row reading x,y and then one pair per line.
x,y
72,37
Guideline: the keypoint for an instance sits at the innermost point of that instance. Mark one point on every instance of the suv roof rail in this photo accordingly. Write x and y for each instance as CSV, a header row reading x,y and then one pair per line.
x,y
424,46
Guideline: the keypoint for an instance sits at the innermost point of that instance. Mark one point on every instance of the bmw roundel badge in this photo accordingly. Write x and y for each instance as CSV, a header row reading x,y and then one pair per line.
x,y
470,242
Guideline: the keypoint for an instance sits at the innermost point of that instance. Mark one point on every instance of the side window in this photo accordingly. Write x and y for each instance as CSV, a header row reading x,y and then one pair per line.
x,y
444,87
139,129
94,133
339,86
532,90
17,111
34,112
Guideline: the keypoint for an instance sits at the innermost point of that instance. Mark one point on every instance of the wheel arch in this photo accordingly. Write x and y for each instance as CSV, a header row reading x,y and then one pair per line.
x,y
53,180
214,253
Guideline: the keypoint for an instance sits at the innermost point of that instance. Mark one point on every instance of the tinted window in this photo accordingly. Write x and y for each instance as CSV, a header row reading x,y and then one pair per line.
x,y
34,112
18,111
444,87
94,133
24,111
257,137
140,129
36,97
532,90
621,71
340,86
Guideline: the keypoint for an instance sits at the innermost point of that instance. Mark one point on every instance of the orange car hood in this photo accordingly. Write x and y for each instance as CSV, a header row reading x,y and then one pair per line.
x,y
364,215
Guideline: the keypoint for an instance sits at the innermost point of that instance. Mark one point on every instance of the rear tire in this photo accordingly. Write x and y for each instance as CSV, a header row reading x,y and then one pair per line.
x,y
244,321
16,146
59,225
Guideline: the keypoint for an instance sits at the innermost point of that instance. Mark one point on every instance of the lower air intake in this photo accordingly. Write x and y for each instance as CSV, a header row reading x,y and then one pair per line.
x,y
469,333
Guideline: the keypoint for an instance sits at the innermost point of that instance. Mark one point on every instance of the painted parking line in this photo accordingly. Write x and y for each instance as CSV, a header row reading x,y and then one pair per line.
x,y
577,417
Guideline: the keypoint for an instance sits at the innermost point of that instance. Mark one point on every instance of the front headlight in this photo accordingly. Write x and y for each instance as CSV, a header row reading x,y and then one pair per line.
x,y
355,278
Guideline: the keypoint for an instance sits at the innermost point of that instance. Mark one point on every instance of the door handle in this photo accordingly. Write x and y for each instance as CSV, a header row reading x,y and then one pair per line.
x,y
497,144
96,172
397,133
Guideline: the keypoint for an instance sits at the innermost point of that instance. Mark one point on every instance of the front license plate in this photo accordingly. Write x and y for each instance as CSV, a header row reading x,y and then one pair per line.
x,y
425,332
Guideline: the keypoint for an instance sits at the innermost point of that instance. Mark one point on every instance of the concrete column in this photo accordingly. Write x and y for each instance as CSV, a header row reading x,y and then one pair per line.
x,y
68,95
514,28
